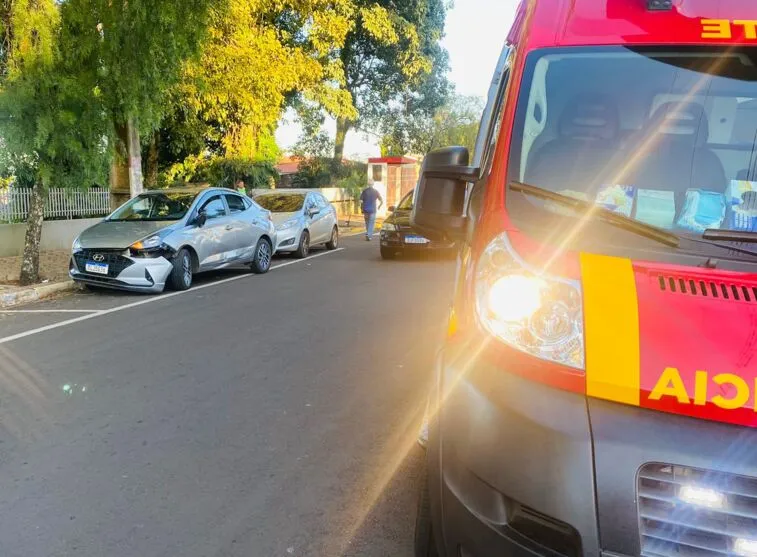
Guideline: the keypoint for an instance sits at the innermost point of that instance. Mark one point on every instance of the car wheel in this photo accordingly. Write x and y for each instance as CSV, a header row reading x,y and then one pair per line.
x,y
425,543
388,253
181,274
303,250
263,253
333,243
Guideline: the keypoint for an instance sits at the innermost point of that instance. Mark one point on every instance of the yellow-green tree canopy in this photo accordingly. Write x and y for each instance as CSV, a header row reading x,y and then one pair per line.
x,y
258,54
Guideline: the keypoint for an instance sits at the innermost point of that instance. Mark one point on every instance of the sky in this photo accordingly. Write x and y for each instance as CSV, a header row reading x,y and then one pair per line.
x,y
475,33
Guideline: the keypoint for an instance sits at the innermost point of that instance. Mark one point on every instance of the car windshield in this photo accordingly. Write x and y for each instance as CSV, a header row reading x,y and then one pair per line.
x,y
155,207
407,203
666,137
282,203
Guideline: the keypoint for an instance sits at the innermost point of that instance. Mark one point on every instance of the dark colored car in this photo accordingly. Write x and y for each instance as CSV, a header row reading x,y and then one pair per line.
x,y
399,238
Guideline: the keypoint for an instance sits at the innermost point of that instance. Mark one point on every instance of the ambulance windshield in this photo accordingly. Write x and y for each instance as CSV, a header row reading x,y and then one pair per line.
x,y
666,137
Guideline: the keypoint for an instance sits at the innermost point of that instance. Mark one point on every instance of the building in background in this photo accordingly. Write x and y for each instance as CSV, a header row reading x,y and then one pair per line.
x,y
393,177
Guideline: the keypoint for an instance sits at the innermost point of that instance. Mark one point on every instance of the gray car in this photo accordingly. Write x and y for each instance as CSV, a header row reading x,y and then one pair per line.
x,y
164,237
303,218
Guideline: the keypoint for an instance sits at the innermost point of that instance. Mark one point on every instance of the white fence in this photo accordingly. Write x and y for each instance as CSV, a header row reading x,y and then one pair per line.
x,y
61,204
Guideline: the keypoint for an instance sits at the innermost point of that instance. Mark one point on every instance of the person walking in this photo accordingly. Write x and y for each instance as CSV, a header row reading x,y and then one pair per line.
x,y
371,201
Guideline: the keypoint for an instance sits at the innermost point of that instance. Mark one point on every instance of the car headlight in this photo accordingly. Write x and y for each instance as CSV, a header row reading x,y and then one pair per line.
x,y
76,245
389,227
530,311
148,243
291,223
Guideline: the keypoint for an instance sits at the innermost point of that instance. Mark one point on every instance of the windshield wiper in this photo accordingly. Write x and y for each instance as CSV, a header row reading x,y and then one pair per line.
x,y
710,237
740,236
621,221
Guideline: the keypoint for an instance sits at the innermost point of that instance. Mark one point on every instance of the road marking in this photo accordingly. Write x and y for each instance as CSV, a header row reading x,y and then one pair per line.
x,y
152,300
50,310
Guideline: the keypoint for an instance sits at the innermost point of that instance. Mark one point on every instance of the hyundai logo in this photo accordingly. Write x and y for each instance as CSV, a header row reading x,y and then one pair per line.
x,y
99,257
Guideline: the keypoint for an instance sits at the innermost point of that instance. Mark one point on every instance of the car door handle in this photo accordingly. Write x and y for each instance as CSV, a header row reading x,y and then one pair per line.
x,y
229,227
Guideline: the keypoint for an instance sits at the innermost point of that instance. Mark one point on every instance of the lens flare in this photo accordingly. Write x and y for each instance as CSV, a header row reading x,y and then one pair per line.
x,y
702,496
515,297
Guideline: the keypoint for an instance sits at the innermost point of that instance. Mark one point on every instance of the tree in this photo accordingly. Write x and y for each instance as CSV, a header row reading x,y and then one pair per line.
x,y
140,47
52,125
391,52
259,57
455,123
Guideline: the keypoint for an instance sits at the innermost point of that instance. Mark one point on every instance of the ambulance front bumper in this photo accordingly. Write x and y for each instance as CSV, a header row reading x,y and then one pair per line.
x,y
520,468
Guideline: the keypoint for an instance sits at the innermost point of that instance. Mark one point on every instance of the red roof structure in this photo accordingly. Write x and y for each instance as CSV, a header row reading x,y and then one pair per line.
x,y
288,165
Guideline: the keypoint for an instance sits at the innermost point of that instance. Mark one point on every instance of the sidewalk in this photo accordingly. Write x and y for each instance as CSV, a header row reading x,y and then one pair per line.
x,y
357,224
53,266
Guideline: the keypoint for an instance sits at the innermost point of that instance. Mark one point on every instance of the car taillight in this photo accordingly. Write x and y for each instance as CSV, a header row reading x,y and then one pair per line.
x,y
527,309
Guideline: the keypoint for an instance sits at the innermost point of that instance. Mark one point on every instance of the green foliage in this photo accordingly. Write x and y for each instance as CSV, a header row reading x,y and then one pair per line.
x,y
223,172
455,123
324,172
391,56
314,141
140,46
53,127
260,55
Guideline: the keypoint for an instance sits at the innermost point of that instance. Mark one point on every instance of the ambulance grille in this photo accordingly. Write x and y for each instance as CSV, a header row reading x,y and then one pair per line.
x,y
687,512
708,289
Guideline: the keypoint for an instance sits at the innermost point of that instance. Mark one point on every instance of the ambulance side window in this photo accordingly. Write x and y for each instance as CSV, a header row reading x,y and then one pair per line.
x,y
488,131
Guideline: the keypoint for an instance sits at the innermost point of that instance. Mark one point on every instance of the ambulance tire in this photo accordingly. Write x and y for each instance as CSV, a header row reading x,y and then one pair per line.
x,y
425,543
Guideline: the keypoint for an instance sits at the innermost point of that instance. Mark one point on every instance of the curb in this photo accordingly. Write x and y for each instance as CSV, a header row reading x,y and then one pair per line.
x,y
34,293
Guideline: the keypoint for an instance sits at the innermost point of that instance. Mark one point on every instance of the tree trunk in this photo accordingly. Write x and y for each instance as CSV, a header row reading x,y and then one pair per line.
x,y
126,172
136,185
30,260
343,125
151,175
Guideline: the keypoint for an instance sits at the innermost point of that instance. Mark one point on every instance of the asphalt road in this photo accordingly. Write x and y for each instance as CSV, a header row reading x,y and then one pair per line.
x,y
252,416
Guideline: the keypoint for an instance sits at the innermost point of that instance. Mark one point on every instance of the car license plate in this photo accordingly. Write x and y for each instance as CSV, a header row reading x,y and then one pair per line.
x,y
96,268
416,240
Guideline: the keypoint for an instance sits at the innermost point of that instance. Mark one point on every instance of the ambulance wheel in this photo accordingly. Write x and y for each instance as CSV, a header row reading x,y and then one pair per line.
x,y
425,543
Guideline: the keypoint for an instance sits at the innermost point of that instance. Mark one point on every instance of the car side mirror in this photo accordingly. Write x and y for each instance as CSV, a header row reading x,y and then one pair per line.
x,y
201,219
439,204
313,211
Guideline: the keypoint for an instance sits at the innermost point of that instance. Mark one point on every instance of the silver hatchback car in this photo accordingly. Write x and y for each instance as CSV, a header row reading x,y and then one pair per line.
x,y
164,237
303,218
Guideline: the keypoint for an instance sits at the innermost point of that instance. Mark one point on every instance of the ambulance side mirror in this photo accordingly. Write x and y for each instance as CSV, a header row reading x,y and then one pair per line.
x,y
439,204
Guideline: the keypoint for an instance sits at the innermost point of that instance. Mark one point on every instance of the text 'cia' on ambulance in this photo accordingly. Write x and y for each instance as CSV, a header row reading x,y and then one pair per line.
x,y
596,393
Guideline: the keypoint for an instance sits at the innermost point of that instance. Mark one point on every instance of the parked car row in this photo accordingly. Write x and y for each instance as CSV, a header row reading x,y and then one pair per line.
x,y
165,237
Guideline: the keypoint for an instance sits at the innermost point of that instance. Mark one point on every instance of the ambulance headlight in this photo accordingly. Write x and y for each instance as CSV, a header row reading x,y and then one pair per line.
x,y
530,311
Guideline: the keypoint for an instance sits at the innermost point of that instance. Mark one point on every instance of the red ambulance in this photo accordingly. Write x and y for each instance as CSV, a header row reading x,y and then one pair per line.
x,y
596,394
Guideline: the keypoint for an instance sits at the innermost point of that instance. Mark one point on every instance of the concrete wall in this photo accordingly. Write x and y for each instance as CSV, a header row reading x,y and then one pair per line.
x,y
56,235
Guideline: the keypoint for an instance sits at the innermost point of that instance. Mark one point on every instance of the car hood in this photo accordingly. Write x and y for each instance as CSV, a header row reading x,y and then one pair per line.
x,y
671,338
281,218
119,235
400,218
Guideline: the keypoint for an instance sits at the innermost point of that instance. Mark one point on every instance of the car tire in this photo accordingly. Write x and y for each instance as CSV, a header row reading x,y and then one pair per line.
x,y
424,543
388,253
263,254
303,250
333,243
181,275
